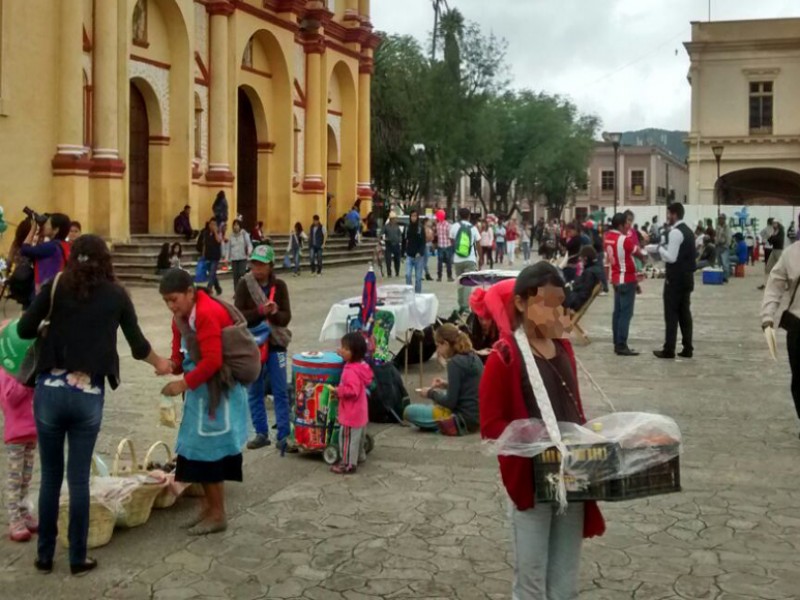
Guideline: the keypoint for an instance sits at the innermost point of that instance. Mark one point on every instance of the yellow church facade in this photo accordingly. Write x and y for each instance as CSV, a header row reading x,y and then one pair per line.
x,y
120,112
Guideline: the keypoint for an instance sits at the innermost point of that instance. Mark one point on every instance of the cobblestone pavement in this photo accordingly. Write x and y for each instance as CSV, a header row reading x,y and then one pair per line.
x,y
425,517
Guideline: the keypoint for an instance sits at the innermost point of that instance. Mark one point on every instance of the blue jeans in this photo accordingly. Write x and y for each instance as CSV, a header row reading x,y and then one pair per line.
x,y
417,264
296,260
445,256
724,260
60,414
624,299
526,251
316,260
601,256
547,551
276,371
213,281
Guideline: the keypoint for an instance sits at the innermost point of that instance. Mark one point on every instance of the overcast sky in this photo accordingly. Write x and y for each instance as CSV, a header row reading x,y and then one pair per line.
x,y
622,60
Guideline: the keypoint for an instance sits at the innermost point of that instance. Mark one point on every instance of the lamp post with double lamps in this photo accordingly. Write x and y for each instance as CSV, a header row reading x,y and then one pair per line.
x,y
615,138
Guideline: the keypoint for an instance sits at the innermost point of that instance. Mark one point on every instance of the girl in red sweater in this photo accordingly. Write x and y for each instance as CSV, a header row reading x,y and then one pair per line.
x,y
546,544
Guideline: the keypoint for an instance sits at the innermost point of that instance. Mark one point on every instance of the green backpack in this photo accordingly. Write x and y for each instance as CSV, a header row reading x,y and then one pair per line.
x,y
463,246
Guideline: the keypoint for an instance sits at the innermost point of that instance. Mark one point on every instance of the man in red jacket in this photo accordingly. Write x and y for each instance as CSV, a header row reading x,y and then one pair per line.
x,y
620,250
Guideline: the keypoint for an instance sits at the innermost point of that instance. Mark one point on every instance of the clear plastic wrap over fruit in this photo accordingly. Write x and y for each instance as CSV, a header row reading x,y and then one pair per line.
x,y
634,442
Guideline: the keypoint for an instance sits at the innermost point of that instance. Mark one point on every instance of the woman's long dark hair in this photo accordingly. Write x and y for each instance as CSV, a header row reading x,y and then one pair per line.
x,y
23,229
163,257
89,265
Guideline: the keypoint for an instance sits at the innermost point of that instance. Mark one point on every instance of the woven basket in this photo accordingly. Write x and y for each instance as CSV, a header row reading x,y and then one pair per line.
x,y
167,496
136,509
101,521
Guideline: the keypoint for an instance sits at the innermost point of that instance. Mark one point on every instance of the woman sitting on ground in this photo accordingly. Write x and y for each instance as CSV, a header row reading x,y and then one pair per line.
x,y
455,402
214,425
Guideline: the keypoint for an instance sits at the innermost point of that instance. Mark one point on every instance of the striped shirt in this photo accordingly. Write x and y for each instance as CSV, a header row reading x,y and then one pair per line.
x,y
443,234
620,250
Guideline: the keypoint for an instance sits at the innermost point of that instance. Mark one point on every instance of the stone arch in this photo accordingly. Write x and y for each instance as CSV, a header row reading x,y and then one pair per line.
x,y
333,175
165,79
343,112
265,81
759,186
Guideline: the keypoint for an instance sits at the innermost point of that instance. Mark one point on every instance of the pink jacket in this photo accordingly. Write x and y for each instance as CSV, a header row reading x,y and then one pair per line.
x,y
352,393
16,401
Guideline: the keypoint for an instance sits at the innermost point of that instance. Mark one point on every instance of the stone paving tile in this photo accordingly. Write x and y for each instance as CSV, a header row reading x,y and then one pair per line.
x,y
425,517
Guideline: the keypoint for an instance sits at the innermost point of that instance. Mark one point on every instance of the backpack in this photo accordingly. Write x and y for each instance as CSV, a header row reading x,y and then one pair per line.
x,y
463,245
388,397
21,282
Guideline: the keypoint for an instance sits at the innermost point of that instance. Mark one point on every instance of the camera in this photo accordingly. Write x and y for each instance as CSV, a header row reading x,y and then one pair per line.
x,y
39,219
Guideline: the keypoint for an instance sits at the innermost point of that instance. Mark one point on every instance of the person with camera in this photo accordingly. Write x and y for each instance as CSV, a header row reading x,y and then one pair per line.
x,y
47,247
784,279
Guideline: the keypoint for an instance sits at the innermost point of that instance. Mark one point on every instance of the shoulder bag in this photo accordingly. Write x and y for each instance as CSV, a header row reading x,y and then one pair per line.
x,y
788,319
29,368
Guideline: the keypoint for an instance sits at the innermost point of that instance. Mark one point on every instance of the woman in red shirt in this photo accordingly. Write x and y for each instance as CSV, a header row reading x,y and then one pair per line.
x,y
214,425
546,544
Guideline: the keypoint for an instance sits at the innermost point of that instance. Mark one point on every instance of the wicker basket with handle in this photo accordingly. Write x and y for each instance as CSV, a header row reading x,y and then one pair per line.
x,y
169,495
137,508
102,519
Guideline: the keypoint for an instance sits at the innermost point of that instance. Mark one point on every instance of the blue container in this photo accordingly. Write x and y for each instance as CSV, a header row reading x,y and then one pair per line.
x,y
713,277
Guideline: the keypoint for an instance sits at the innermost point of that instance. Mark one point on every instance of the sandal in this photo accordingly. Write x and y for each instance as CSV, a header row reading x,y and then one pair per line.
x,y
342,469
17,532
209,527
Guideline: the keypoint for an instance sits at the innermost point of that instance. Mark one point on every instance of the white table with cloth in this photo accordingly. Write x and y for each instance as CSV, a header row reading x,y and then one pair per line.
x,y
412,312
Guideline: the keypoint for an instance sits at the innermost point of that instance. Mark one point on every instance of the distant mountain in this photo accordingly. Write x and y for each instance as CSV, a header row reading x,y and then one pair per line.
x,y
672,141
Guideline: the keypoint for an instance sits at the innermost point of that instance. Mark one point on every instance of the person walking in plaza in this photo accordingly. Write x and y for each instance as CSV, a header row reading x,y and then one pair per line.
x,y
500,242
297,237
512,235
19,435
620,249
750,240
353,415
525,243
487,244
264,299
465,238
679,253
239,249
532,374
414,250
220,210
48,249
781,287
352,223
209,244
430,237
393,239
317,236
214,424
454,410
722,241
85,307
444,246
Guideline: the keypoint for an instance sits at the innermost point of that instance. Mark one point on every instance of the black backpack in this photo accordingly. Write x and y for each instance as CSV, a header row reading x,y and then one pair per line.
x,y
388,397
21,283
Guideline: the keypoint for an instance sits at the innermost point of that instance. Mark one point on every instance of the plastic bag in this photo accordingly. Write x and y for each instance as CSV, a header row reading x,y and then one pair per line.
x,y
610,447
167,413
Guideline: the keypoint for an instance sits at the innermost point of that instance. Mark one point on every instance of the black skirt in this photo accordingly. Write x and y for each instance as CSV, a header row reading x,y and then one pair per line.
x,y
228,468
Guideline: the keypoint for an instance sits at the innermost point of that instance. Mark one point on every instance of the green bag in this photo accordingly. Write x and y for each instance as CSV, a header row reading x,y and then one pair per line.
x,y
12,347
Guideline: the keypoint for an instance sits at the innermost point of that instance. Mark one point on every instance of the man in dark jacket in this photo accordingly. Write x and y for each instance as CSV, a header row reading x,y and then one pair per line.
x,y
316,242
393,237
584,285
414,250
183,225
209,244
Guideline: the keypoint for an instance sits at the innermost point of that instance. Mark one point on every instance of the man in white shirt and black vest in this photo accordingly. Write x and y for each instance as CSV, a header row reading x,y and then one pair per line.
x,y
680,255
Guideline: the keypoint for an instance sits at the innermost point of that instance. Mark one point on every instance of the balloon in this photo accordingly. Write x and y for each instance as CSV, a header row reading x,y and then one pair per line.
x,y
12,347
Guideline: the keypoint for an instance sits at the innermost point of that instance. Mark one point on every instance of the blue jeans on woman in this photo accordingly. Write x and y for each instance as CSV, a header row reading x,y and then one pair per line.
x,y
418,265
63,413
213,280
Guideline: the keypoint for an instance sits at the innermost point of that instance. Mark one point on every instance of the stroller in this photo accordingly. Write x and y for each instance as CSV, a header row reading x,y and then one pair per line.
x,y
315,426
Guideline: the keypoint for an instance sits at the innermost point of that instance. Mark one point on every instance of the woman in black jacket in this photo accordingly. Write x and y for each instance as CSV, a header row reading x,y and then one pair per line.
x,y
78,355
414,250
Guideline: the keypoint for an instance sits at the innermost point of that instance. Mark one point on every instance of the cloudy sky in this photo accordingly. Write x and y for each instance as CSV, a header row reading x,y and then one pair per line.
x,y
622,60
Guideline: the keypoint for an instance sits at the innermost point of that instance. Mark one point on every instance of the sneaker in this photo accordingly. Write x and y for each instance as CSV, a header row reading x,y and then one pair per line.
x,y
260,441
17,532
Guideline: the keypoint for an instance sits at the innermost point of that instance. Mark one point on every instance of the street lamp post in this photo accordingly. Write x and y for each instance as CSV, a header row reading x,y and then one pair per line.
x,y
717,188
615,138
668,197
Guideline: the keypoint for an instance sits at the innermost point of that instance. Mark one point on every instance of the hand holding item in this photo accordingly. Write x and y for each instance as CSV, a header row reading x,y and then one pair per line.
x,y
772,344
423,391
439,383
651,248
175,388
164,366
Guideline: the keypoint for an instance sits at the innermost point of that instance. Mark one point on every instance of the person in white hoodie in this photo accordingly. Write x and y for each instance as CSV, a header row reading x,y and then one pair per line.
x,y
239,249
783,282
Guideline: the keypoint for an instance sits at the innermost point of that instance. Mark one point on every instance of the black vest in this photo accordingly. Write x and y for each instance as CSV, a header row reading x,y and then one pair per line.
x,y
687,254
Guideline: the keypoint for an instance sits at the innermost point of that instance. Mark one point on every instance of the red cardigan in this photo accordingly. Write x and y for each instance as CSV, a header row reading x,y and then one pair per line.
x,y
501,402
210,319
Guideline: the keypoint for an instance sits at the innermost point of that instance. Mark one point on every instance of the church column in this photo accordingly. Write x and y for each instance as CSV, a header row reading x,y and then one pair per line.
x,y
313,180
219,169
70,165
363,8
364,125
107,216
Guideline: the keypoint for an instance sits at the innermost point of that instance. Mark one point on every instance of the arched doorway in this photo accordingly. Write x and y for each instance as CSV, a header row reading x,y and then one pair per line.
x,y
759,186
139,163
247,162
334,166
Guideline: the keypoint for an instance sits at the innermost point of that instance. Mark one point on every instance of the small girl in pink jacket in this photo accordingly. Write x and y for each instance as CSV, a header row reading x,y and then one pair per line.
x,y
353,407
16,401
